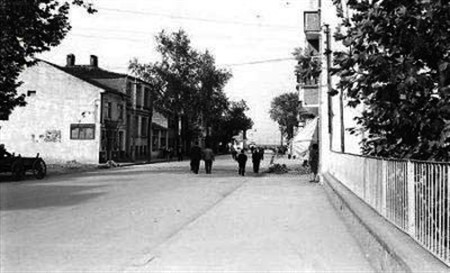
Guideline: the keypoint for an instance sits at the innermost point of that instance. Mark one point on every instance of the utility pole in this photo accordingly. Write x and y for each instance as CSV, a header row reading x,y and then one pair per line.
x,y
150,127
330,100
341,105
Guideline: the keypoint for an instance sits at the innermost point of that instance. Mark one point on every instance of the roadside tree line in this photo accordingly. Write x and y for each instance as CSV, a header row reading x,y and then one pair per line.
x,y
188,86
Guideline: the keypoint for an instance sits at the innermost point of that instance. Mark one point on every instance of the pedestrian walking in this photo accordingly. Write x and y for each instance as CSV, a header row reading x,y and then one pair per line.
x,y
256,159
314,161
208,157
242,159
196,156
261,153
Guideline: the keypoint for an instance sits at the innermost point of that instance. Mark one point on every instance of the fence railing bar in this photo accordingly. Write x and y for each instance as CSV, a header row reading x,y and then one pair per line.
x,y
413,195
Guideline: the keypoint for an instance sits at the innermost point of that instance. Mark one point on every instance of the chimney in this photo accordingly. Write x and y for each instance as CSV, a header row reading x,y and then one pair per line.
x,y
70,60
94,61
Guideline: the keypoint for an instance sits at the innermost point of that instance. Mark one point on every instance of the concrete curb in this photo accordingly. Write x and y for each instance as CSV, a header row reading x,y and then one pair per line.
x,y
387,248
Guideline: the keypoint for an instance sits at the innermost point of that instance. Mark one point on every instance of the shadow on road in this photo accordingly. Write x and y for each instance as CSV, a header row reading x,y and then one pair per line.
x,y
36,196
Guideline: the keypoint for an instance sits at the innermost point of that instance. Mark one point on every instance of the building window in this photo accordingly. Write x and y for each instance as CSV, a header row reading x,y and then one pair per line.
x,y
163,139
129,89
120,110
138,95
108,110
146,98
31,93
121,140
82,131
136,127
144,127
155,137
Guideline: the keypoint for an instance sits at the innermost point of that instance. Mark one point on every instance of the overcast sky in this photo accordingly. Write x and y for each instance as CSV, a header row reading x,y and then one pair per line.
x,y
254,38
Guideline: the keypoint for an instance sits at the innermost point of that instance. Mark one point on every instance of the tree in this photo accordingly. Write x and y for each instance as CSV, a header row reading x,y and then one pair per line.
x,y
189,84
233,121
397,65
28,27
308,66
213,101
284,110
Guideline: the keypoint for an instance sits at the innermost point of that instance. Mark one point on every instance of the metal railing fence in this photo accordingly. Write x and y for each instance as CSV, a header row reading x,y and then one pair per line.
x,y
413,195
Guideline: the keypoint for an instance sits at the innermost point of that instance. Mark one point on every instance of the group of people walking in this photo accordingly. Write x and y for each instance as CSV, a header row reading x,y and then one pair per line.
x,y
196,156
257,156
257,153
207,154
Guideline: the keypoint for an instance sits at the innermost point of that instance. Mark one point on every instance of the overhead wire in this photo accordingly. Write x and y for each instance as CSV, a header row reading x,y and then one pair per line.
x,y
190,18
261,61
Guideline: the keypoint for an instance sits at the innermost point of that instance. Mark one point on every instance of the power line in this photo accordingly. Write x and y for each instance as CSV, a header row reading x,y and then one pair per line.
x,y
143,39
235,64
197,18
107,37
262,61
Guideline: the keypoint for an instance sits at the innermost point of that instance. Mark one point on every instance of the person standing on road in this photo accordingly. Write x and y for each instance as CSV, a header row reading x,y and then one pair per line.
x,y
208,156
314,161
242,159
196,156
256,159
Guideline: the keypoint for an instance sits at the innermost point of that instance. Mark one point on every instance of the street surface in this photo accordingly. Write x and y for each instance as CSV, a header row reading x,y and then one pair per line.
x,y
160,217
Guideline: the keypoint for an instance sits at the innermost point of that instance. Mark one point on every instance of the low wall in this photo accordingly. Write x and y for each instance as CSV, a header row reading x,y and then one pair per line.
x,y
386,247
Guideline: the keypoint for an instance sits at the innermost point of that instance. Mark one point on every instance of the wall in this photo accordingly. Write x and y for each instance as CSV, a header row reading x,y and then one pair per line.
x,y
332,141
43,126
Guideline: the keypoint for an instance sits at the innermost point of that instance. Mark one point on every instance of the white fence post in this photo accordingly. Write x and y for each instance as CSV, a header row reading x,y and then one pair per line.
x,y
383,187
411,199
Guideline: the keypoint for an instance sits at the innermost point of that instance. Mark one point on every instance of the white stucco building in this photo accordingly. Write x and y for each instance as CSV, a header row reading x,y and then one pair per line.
x,y
83,113
320,21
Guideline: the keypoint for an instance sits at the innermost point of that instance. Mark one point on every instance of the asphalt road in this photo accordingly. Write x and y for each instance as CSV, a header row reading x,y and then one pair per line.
x,y
153,218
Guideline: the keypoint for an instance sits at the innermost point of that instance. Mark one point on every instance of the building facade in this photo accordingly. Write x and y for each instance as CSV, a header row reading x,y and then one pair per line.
x,y
320,21
83,113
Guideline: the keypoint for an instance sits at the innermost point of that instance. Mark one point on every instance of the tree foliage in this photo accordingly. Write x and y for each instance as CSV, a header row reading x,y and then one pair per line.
x,y
28,27
232,122
308,66
284,110
397,65
187,81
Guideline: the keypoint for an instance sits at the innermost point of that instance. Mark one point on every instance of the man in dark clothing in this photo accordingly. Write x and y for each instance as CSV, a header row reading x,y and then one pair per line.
x,y
242,159
208,156
196,156
256,159
314,161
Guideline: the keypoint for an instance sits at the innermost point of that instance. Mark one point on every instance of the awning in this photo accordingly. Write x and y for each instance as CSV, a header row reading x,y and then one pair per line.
x,y
302,140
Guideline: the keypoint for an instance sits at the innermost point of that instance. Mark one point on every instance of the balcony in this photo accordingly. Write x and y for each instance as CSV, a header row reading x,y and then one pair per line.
x,y
311,25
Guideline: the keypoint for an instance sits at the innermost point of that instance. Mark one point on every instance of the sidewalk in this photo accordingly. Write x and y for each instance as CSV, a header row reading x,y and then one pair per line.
x,y
269,224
